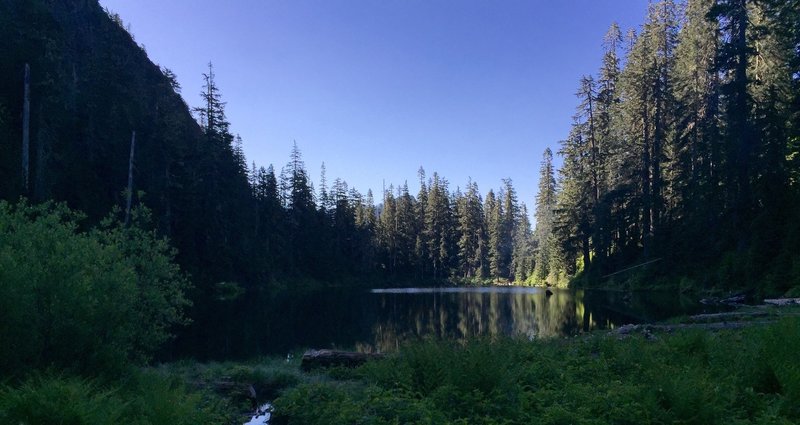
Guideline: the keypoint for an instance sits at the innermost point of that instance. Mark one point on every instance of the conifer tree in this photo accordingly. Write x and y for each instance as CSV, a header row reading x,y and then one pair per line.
x,y
421,242
471,232
508,226
774,59
212,114
438,226
388,230
732,61
573,206
545,216
695,165
406,228
609,143
301,216
522,255
493,210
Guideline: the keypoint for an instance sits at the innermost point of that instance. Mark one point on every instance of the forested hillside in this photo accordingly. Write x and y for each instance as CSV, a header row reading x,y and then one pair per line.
x,y
683,156
91,87
685,152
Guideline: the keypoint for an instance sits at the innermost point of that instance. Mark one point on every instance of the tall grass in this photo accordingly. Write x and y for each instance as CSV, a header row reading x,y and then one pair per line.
x,y
60,400
690,377
142,398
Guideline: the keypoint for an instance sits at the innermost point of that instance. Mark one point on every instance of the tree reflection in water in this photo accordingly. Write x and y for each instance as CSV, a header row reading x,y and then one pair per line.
x,y
381,320
460,313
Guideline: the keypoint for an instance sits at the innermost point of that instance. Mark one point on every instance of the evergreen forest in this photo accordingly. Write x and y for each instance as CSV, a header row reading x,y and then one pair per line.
x,y
681,170
684,151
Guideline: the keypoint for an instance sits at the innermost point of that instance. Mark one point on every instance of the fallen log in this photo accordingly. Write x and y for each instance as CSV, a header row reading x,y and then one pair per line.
x,y
727,316
707,326
648,329
782,301
329,358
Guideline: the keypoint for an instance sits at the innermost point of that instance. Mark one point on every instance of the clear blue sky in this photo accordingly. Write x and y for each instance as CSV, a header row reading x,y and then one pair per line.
x,y
378,88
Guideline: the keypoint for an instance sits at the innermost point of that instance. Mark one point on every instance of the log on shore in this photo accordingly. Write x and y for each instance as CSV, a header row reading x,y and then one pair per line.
x,y
649,329
728,316
783,301
328,358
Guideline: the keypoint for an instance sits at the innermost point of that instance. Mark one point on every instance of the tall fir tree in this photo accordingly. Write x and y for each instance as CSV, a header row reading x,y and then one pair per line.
x,y
545,217
471,233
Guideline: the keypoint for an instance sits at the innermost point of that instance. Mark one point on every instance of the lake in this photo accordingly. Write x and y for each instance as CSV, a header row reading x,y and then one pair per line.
x,y
383,319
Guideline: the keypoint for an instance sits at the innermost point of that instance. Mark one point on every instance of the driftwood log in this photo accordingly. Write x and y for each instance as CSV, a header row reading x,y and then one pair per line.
x,y
730,316
328,358
648,329
783,301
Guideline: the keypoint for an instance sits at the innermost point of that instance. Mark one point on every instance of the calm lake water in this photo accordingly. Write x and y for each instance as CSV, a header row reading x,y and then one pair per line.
x,y
382,319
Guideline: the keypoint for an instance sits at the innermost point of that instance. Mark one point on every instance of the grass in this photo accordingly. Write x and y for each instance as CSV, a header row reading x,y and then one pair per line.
x,y
141,398
741,376
268,377
689,377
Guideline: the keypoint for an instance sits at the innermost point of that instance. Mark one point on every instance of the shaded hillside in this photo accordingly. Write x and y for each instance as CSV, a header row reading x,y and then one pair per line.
x,y
91,87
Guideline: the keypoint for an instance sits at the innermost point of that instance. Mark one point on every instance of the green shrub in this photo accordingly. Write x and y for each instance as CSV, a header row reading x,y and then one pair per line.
x,y
160,297
320,403
88,301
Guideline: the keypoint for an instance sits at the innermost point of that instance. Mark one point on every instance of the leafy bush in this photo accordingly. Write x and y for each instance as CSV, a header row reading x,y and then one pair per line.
x,y
92,301
160,285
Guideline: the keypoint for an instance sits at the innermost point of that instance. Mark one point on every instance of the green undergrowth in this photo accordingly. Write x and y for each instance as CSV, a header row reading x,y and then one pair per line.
x,y
141,398
268,377
689,377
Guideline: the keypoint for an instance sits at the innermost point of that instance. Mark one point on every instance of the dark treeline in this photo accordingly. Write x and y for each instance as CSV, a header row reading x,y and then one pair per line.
x,y
436,234
335,233
684,151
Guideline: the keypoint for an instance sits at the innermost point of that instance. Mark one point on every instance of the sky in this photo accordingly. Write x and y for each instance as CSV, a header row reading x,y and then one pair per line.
x,y
376,89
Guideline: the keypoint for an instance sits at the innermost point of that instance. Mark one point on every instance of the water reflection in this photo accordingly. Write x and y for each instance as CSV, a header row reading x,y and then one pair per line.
x,y
458,313
465,313
382,320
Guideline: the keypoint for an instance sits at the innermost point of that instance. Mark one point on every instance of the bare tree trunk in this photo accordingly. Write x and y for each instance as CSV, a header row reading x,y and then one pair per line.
x,y
39,192
130,180
26,134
